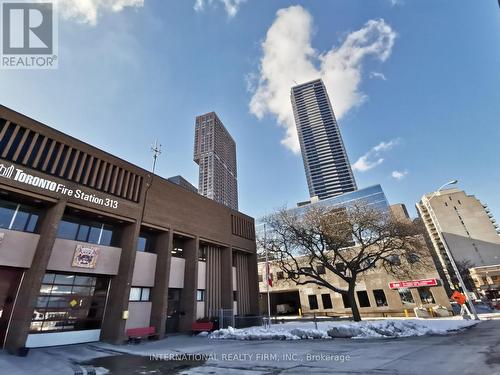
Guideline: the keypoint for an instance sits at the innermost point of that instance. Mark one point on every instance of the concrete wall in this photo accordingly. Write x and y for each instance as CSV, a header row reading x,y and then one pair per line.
x,y
62,257
139,315
200,310
144,269
202,275
17,248
177,267
479,253
235,285
370,281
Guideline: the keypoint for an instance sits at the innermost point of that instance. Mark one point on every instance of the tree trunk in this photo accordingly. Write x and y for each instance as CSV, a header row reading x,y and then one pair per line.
x,y
352,300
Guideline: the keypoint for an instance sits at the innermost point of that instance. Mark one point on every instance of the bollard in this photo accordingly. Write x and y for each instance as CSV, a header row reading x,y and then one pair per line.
x,y
406,313
300,312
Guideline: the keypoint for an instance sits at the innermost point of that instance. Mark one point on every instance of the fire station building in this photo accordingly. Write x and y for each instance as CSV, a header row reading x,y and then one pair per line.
x,y
91,245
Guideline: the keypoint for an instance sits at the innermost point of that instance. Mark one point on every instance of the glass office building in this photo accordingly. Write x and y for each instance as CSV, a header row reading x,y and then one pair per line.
x,y
372,196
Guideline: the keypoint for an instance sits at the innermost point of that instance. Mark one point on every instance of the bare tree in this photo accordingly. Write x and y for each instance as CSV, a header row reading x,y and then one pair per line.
x,y
346,242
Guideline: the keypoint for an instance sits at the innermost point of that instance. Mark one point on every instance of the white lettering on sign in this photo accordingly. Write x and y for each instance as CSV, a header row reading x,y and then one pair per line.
x,y
42,183
413,283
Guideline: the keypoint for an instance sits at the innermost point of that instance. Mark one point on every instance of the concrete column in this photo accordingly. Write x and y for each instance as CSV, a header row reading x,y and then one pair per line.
x,y
253,284
113,324
159,297
29,289
188,298
226,277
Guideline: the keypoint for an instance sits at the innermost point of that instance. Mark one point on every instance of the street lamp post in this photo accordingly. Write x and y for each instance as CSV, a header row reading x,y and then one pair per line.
x,y
447,249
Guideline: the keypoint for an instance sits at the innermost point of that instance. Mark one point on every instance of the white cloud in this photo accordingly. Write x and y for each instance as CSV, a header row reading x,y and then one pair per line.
x,y
289,58
88,11
399,175
378,75
231,6
374,156
396,2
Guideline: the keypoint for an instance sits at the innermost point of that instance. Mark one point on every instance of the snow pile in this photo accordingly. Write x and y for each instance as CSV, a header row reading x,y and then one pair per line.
x,y
275,333
358,330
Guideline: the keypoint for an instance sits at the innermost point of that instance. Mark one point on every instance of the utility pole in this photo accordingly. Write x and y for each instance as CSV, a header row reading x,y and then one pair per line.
x,y
268,278
156,150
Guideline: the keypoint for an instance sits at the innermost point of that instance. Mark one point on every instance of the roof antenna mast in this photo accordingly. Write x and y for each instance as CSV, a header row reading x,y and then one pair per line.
x,y
156,150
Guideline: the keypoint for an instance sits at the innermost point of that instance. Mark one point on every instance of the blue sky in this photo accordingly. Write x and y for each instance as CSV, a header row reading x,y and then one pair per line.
x,y
419,79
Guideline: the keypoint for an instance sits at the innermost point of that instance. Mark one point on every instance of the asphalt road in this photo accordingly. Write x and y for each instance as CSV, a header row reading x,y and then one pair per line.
x,y
475,351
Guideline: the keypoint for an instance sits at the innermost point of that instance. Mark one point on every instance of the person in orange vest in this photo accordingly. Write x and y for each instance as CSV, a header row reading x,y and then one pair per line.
x,y
461,299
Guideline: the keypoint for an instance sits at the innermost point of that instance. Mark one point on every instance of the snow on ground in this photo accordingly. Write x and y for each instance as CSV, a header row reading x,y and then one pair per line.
x,y
387,328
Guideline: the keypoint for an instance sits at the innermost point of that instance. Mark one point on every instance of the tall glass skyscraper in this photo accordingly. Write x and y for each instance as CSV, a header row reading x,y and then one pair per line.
x,y
326,163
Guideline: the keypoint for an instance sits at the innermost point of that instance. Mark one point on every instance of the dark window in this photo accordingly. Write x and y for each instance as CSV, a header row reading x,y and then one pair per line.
x,y
67,229
380,297
459,202
25,147
320,270
15,144
406,296
70,163
69,302
61,160
313,301
15,216
202,254
177,252
145,242
413,258
139,294
260,278
425,295
77,165
345,300
71,228
327,301
45,153
53,156
141,244
340,267
35,150
280,275
235,295
6,137
363,298
394,260
200,295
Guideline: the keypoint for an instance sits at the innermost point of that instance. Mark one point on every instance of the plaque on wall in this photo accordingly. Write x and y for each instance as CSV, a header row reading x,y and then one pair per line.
x,y
85,256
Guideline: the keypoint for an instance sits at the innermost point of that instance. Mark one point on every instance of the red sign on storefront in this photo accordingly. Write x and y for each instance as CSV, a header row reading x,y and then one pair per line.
x,y
413,283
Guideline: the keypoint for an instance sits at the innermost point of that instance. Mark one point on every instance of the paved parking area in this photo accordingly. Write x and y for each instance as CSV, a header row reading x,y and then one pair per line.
x,y
475,351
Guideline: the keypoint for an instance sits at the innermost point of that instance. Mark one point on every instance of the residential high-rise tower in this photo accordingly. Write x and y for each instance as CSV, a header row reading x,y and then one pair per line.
x,y
326,164
467,226
215,153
